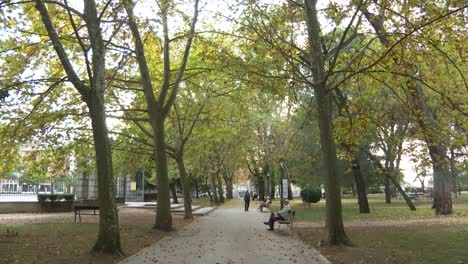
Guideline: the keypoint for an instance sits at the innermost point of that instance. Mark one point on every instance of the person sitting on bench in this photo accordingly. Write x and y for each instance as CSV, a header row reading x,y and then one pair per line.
x,y
265,203
280,215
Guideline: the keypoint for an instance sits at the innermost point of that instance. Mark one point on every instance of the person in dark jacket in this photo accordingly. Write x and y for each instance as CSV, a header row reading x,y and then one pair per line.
x,y
246,201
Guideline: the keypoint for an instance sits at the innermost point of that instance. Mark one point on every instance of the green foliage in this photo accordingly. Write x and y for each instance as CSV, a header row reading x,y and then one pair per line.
x,y
311,194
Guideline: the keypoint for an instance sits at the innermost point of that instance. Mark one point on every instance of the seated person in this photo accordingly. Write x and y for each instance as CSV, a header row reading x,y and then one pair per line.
x,y
265,203
281,215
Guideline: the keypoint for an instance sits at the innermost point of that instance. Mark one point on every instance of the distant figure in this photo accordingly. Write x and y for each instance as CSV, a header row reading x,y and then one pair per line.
x,y
246,201
265,203
281,215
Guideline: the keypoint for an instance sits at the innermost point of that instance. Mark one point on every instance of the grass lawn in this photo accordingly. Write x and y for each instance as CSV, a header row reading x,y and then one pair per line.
x,y
397,210
415,244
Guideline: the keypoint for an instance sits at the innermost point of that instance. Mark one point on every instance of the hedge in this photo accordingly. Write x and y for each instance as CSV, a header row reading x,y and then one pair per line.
x,y
44,198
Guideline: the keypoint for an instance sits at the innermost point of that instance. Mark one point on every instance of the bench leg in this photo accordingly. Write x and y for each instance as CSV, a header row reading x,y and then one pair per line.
x,y
75,216
79,216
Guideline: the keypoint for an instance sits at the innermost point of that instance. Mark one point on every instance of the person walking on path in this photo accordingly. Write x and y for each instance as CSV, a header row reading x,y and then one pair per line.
x,y
246,201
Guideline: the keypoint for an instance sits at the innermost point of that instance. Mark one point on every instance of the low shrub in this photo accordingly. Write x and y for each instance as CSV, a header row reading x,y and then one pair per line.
x,y
311,194
44,198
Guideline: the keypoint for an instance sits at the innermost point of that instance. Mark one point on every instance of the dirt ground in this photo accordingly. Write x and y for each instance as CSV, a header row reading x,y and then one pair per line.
x,y
126,216
55,238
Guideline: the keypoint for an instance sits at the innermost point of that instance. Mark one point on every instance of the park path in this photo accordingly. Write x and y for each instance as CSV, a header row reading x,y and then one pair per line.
x,y
228,235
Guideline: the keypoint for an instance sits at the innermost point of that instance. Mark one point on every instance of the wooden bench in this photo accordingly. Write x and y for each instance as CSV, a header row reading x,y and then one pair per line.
x,y
79,208
289,222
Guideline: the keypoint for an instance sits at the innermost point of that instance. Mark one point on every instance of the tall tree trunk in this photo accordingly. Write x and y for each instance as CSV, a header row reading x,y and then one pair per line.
x,y
266,173
186,188
453,173
261,186
108,235
163,210
272,185
229,187
334,223
220,189
361,187
388,195
213,189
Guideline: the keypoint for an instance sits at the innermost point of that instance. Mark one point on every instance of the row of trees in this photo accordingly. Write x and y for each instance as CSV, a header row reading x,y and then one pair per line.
x,y
226,95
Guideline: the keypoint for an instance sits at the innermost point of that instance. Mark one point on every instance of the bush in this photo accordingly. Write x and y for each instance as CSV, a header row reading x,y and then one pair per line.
x,y
311,194
44,198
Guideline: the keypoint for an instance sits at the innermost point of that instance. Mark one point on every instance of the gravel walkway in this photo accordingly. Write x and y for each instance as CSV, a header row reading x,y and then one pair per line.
x,y
228,235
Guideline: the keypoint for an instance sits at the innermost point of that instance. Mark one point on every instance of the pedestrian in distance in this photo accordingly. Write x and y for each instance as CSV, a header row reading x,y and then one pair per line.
x,y
246,201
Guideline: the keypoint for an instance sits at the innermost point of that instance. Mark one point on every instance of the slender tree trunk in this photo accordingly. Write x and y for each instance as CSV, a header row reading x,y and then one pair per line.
x,y
266,173
273,187
453,172
402,192
186,188
228,181
213,189
361,187
388,195
334,223
261,186
220,189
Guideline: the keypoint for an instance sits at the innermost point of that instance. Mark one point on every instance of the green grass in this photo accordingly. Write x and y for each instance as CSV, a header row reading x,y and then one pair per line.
x,y
397,210
415,244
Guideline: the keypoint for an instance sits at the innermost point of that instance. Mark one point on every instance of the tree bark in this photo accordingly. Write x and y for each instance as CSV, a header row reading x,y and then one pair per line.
x,y
334,222
220,189
388,195
229,187
213,189
272,185
361,187
108,235
163,210
266,173
186,188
